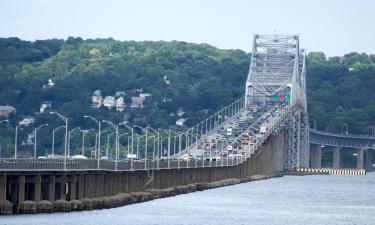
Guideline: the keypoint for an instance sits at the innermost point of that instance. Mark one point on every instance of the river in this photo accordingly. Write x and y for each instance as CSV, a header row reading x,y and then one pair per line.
x,y
299,200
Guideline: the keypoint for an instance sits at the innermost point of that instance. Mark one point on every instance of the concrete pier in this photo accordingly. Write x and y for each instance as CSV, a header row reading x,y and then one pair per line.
x,y
360,159
369,160
336,158
316,156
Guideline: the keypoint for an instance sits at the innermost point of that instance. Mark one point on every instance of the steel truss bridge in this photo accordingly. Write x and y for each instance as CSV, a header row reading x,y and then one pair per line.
x,y
277,68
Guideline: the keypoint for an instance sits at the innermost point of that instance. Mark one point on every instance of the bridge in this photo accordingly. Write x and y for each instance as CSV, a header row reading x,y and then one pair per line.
x,y
339,142
264,132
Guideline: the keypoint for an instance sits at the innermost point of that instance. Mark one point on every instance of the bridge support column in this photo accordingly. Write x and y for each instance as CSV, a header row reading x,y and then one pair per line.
x,y
21,190
37,188
63,187
51,188
336,158
81,186
369,160
73,187
316,156
3,186
360,159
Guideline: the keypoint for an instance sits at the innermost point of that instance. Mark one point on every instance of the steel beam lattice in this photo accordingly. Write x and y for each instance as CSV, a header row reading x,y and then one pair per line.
x,y
278,66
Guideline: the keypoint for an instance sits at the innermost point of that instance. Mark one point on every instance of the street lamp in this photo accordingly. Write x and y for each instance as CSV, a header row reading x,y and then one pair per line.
x,y
372,130
119,142
342,128
35,132
157,132
132,143
144,129
65,119
53,138
69,132
116,141
99,127
84,133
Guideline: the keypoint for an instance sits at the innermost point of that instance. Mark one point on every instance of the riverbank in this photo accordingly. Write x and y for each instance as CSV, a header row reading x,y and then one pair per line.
x,y
121,199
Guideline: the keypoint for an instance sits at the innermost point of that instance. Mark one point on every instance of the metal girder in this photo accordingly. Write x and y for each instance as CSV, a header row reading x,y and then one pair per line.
x,y
278,64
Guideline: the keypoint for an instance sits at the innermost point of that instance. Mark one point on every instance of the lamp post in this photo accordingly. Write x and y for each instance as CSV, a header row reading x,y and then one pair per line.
x,y
119,142
372,130
69,132
342,128
15,142
144,129
157,132
35,132
116,141
84,133
65,119
107,148
99,128
53,138
132,143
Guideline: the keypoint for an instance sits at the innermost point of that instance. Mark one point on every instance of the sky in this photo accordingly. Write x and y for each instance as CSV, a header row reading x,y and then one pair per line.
x,y
335,27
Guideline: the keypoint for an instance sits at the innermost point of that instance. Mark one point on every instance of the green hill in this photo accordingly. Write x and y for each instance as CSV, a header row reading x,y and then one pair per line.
x,y
194,78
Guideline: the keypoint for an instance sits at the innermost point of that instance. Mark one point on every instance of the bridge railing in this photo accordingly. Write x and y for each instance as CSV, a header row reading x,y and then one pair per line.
x,y
21,164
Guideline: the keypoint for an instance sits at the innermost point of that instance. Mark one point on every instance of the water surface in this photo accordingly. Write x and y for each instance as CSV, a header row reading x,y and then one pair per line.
x,y
293,200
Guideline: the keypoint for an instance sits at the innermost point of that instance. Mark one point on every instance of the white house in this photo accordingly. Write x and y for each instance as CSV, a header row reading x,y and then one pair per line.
x,y
97,99
5,110
120,104
109,102
45,105
137,102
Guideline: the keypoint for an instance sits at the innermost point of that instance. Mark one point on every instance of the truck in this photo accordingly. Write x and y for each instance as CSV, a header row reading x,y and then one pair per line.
x,y
229,131
262,129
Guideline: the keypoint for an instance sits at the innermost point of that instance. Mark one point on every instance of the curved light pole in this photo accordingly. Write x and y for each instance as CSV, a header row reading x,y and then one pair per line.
x,y
53,138
84,133
342,128
35,132
107,148
115,126
144,129
65,119
99,128
156,132
69,132
119,141
132,143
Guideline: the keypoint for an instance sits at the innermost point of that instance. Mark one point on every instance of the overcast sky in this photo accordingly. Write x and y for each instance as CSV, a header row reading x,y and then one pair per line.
x,y
333,26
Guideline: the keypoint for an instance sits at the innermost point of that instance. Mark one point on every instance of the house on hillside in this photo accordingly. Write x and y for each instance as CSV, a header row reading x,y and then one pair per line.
x,y
137,102
96,99
109,102
6,110
45,105
120,104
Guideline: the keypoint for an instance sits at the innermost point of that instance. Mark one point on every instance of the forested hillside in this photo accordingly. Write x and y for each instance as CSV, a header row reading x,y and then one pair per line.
x,y
196,79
